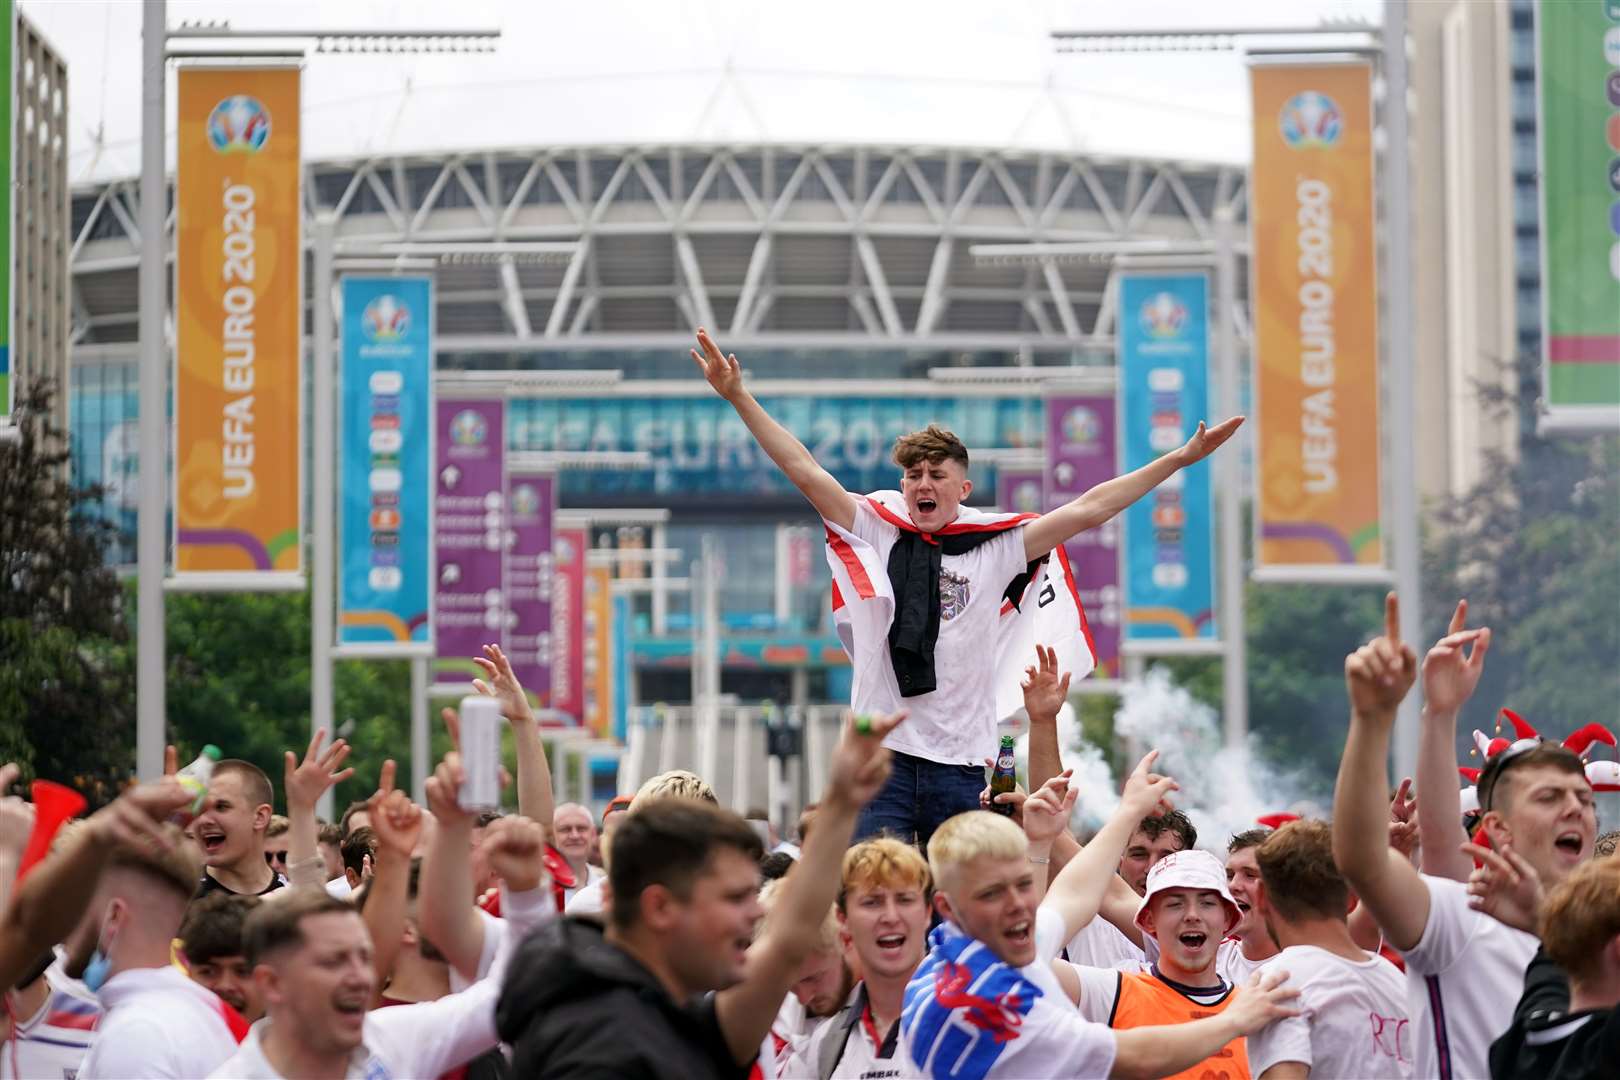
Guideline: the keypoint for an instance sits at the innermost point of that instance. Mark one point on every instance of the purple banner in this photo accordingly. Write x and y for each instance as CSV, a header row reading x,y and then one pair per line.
x,y
1019,491
469,524
1081,452
532,504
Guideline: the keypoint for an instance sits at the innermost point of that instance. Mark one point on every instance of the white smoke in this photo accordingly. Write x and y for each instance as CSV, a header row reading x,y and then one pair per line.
x,y
1223,790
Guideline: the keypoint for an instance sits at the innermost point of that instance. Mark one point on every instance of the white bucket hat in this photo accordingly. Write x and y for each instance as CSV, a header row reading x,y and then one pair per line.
x,y
1189,870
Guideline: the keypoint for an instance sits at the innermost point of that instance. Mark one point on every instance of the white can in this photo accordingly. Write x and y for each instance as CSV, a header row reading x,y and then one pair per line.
x,y
480,753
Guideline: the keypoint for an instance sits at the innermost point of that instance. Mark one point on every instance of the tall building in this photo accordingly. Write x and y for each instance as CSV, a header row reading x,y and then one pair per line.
x,y
1476,258
41,285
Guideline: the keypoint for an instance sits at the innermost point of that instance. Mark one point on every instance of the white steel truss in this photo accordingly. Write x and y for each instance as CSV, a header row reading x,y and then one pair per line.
x,y
776,242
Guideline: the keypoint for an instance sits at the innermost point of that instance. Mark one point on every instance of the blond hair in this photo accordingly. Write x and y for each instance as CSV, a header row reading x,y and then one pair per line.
x,y
883,863
675,784
965,837
827,940
1581,916
278,825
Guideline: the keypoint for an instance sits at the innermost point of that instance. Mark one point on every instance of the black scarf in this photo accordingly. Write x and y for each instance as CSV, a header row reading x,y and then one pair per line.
x,y
914,577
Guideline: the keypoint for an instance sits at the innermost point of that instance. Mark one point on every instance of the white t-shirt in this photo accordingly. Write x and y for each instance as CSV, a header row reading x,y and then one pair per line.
x,y
1101,944
158,1023
969,1016
53,1042
431,1037
1463,979
1352,1019
1099,992
587,901
1230,963
956,723
593,874
863,1057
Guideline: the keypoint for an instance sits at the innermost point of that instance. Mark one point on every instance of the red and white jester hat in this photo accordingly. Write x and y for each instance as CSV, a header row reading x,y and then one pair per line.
x,y
1602,775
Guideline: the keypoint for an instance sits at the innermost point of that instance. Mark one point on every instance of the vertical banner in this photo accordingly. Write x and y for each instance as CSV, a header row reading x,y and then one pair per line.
x,y
385,466
621,668
238,317
599,651
1164,391
1315,317
1080,454
1018,491
1578,118
532,505
469,534
8,49
568,623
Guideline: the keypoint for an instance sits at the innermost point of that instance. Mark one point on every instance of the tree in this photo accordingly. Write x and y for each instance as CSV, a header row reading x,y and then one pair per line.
x,y
66,687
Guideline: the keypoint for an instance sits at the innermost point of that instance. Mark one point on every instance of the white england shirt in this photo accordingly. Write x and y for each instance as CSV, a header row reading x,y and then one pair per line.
x,y
1353,1018
955,724
1463,979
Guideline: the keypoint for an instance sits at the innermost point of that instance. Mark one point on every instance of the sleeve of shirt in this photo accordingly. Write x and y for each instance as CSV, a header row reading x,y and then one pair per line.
x,y
434,1037
1076,1046
1048,934
1099,993
1451,924
1006,553
869,526
135,1049
1288,1039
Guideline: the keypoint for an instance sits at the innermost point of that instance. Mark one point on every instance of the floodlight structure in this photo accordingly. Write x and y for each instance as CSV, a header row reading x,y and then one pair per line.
x,y
215,39
1390,40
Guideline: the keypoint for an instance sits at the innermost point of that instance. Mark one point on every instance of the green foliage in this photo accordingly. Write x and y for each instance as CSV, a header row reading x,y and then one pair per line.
x,y
66,692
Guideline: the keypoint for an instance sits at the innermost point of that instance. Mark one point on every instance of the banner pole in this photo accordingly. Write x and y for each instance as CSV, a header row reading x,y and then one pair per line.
x,y
150,708
1235,668
324,461
419,729
1402,472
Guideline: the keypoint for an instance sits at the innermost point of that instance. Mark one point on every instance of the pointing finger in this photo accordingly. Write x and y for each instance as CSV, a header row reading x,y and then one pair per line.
x,y
1392,618
1459,618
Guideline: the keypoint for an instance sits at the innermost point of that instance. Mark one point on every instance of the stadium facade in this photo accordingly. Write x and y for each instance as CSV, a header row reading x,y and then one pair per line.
x,y
843,277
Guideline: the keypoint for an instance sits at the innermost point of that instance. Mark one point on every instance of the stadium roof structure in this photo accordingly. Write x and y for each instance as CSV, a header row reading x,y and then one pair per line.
x,y
798,244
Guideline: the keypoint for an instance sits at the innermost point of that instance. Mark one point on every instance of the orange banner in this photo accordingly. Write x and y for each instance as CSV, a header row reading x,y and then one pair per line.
x,y
238,318
1315,299
599,651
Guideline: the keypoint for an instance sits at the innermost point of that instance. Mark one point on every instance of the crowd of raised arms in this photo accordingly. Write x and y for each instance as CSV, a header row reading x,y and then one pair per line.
x,y
913,930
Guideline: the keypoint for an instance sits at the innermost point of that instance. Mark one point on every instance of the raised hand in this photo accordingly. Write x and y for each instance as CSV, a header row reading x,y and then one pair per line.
x,y
515,848
723,372
860,762
1014,798
1205,441
503,684
1380,673
307,780
1146,792
16,815
1262,1000
1505,887
397,822
1452,668
1403,831
1045,690
1046,813
444,791
136,820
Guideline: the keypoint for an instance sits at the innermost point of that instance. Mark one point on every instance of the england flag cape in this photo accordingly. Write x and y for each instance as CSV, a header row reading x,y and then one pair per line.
x,y
1043,605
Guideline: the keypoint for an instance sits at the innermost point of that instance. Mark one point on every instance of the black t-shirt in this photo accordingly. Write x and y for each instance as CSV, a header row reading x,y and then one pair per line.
x,y
1547,1041
211,884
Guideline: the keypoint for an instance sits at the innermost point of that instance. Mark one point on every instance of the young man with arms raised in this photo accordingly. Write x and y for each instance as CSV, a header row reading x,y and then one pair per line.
x,y
883,904
673,986
1353,1011
312,962
938,659
1461,965
987,1000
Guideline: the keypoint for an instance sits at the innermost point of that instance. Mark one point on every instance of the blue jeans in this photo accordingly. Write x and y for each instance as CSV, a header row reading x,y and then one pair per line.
x,y
918,797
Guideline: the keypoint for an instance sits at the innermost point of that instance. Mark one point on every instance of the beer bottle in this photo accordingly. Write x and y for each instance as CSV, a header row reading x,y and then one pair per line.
x,y
1004,778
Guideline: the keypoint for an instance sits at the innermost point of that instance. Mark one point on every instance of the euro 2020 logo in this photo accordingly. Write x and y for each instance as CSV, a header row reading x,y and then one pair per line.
x,y
1163,316
385,319
1080,427
239,125
1310,121
467,428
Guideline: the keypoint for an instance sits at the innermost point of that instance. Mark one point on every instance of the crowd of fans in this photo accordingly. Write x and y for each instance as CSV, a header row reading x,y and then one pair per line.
x,y
411,941
914,929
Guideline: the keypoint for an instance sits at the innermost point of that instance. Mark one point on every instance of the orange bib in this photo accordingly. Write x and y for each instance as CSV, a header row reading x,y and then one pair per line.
x,y
1145,1001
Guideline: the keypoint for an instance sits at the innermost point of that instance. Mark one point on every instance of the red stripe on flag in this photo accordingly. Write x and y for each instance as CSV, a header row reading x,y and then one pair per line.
x,y
1068,577
852,563
837,597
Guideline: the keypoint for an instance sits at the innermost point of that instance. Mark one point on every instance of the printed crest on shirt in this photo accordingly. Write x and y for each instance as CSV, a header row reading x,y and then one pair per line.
x,y
963,1006
954,593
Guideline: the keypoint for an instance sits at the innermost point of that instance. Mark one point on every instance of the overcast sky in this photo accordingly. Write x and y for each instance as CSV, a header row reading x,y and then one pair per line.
x,y
980,73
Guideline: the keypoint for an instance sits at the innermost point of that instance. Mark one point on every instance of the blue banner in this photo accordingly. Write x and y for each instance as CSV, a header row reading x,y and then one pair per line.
x,y
1164,393
386,462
